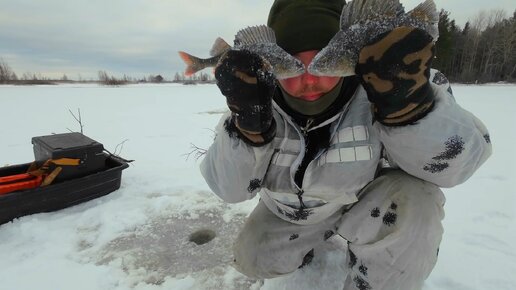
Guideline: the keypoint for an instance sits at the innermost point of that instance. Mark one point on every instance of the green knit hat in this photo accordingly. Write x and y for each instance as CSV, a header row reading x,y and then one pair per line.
x,y
302,25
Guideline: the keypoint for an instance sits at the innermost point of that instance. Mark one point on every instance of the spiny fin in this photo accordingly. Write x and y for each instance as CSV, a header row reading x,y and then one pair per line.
x,y
427,12
219,47
255,34
192,63
361,10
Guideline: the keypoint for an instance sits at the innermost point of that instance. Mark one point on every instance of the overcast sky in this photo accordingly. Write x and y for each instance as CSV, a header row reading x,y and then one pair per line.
x,y
140,37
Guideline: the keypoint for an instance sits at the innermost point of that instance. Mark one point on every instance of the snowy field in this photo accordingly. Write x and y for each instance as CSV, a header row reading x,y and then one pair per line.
x,y
138,237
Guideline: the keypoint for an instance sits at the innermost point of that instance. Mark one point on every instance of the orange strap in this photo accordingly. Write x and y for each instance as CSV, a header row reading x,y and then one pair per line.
x,y
19,182
35,176
66,161
15,178
49,178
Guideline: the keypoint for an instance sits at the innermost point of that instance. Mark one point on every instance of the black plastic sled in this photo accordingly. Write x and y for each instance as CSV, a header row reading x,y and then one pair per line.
x,y
59,195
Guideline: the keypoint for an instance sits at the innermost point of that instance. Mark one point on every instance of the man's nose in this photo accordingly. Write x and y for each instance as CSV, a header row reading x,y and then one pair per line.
x,y
309,78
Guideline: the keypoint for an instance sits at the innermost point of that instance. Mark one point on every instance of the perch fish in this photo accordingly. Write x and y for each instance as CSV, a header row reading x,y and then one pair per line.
x,y
257,39
363,20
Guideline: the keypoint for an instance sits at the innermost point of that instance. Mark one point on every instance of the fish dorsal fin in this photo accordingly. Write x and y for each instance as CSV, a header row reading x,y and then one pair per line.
x,y
255,34
219,47
426,12
362,10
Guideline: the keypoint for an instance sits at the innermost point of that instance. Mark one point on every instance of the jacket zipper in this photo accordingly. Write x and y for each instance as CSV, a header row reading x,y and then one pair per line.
x,y
304,131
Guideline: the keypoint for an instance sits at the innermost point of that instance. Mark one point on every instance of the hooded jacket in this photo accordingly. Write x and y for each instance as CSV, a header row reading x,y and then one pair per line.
x,y
445,148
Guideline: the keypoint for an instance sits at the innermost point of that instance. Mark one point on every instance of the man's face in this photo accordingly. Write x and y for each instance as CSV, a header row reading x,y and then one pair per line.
x,y
306,86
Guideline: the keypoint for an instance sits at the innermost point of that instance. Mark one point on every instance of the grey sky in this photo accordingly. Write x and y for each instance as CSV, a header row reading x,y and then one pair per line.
x,y
140,37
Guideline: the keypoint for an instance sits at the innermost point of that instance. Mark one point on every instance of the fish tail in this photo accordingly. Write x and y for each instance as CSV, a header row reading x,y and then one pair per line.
x,y
193,64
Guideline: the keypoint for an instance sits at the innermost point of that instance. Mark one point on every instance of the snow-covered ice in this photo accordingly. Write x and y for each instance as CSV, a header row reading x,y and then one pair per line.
x,y
138,237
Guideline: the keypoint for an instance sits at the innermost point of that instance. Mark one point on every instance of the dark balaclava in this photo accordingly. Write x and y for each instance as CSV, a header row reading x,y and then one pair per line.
x,y
302,25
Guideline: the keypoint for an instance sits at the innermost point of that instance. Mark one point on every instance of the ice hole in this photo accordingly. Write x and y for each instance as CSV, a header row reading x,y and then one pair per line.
x,y
202,237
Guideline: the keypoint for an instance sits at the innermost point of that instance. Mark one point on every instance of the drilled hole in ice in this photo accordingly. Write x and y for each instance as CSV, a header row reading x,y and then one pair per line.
x,y
202,237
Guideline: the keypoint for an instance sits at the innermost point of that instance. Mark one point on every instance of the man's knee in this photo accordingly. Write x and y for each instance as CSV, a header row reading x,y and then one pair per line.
x,y
395,231
248,247
414,198
399,189
395,203
266,247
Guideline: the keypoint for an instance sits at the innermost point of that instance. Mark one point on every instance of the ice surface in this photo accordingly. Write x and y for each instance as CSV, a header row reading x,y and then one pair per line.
x,y
136,237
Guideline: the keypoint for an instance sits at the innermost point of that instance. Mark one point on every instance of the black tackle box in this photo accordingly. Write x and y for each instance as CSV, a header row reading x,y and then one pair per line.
x,y
70,145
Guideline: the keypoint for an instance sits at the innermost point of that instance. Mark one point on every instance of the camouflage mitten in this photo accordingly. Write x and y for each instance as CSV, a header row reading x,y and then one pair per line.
x,y
395,70
248,84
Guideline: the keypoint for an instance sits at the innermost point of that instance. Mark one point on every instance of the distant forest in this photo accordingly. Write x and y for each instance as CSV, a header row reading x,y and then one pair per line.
x,y
482,51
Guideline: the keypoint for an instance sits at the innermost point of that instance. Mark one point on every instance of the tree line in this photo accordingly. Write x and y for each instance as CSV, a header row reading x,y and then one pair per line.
x,y
484,50
8,76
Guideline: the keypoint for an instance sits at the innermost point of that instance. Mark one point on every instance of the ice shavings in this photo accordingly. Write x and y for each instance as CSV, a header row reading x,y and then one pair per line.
x,y
162,248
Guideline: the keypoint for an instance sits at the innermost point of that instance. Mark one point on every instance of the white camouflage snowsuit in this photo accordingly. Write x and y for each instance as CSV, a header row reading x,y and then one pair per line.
x,y
392,221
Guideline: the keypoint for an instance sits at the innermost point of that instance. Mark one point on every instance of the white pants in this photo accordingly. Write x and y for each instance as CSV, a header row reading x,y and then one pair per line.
x,y
394,232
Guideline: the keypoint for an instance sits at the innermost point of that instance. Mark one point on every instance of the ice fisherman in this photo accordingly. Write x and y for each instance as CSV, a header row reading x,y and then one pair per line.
x,y
352,161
